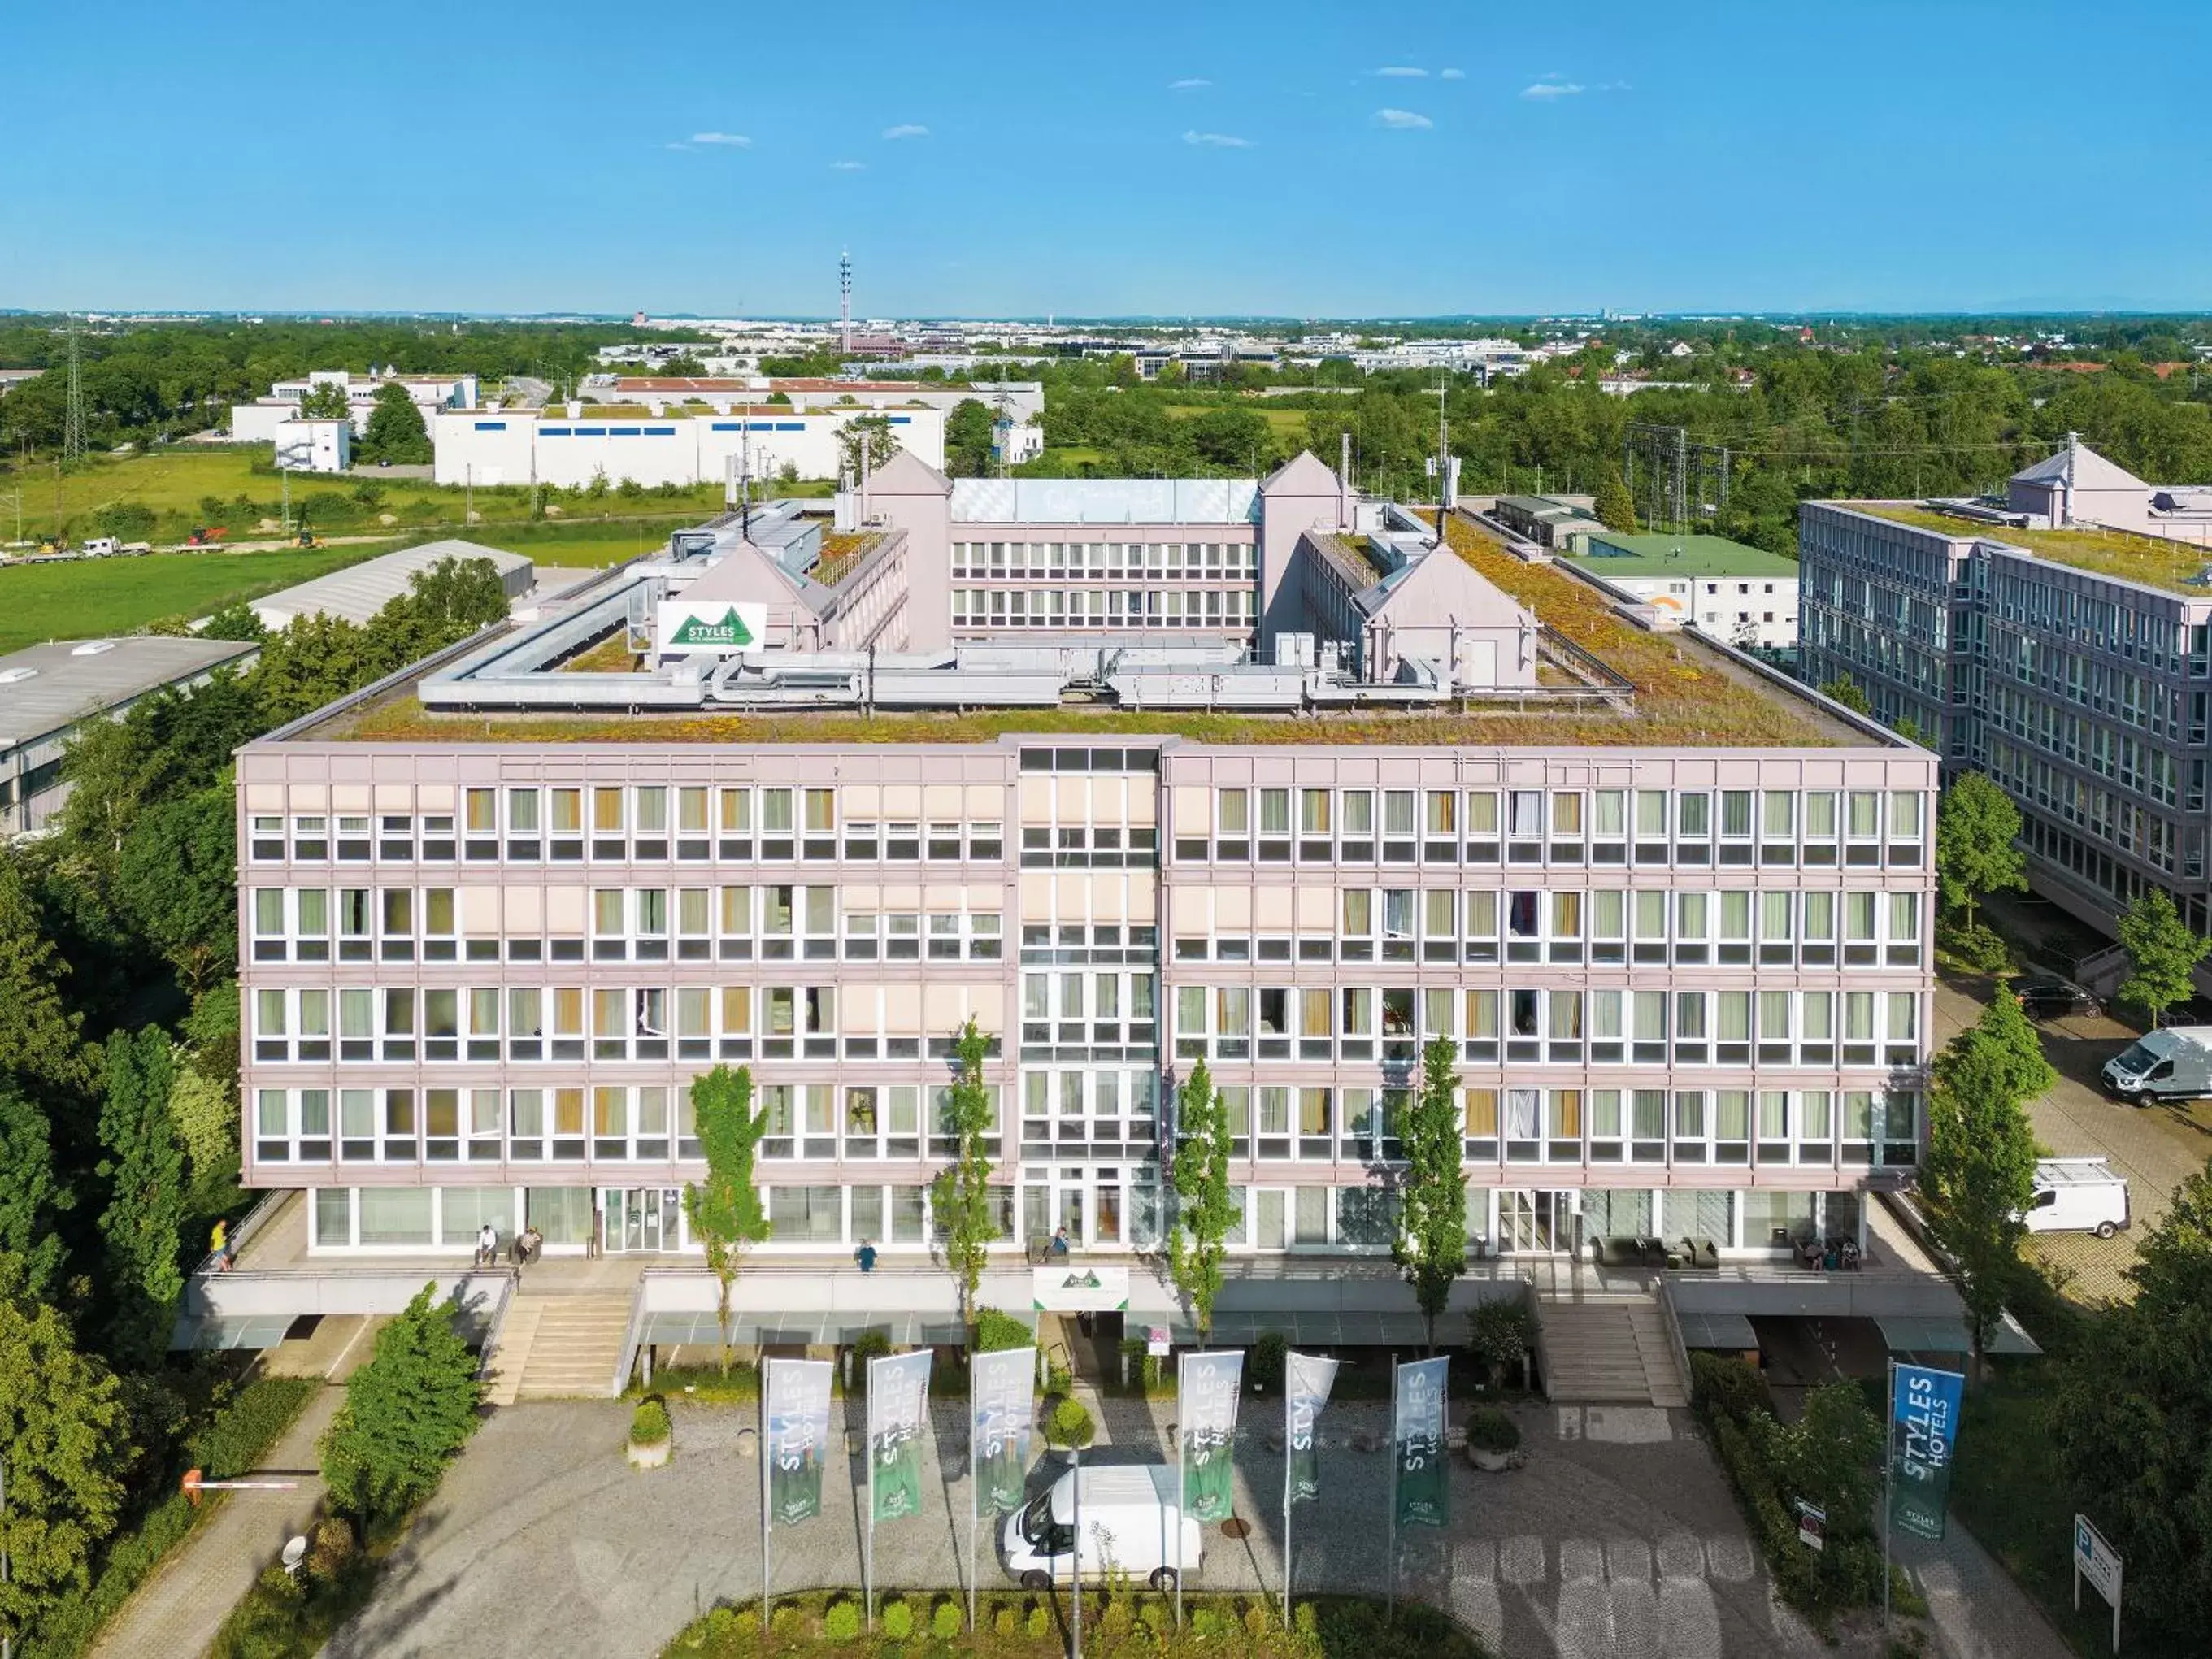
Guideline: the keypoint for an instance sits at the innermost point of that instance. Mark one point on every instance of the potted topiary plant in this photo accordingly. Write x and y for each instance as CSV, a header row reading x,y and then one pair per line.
x,y
1492,1438
652,1435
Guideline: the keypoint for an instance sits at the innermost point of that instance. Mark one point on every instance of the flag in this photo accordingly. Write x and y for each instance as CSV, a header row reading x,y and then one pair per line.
x,y
898,1406
1924,1428
1310,1378
1205,1409
1001,1389
797,1415
1421,1486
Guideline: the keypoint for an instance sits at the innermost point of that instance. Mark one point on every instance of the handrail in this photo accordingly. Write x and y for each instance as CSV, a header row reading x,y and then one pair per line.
x,y
254,1220
496,1326
630,1339
1673,1324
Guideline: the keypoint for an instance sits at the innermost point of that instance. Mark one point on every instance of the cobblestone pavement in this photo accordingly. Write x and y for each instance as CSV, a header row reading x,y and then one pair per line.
x,y
1617,1536
2155,1147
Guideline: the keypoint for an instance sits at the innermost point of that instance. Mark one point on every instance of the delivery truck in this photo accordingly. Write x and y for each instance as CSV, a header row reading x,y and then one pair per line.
x,y
2173,1064
2077,1195
1132,1524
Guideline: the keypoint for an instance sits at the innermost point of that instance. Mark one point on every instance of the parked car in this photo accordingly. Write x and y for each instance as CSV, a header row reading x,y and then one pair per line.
x,y
1131,1517
2077,1195
2173,1064
2055,999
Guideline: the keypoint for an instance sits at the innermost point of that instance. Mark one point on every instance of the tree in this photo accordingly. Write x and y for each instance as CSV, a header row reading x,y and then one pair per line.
x,y
32,1196
1845,690
65,1440
1976,828
177,881
968,431
325,400
1431,1246
407,1412
725,1210
2162,953
38,1044
961,1195
874,433
1616,509
395,431
144,1168
1831,1456
2133,1423
1977,1176
1204,1211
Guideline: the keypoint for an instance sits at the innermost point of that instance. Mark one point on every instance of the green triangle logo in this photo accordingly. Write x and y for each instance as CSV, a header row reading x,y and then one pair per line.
x,y
731,630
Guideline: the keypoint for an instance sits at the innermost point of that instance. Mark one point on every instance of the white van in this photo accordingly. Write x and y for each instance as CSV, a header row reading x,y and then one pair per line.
x,y
2077,1195
1132,1514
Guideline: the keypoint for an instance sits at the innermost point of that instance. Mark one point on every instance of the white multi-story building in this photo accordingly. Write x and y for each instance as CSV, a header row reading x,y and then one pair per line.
x,y
257,421
664,442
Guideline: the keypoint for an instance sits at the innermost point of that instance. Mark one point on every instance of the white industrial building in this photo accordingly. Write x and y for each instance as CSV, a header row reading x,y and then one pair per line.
x,y
257,421
1021,400
305,446
47,691
571,448
357,592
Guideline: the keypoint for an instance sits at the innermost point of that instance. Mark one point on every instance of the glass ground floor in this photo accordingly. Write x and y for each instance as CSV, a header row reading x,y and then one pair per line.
x,y
1115,1206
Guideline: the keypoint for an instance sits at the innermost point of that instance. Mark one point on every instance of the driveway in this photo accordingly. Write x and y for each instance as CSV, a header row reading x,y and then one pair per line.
x,y
1616,1537
2155,1147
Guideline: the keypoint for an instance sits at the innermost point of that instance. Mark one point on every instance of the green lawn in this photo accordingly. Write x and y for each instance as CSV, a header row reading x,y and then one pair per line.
x,y
87,598
583,545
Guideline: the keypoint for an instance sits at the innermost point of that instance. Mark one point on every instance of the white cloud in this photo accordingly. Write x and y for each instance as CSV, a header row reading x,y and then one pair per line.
x,y
1404,72
907,130
673,146
1614,86
1189,83
1552,89
735,140
1218,140
849,167
1451,74
1404,120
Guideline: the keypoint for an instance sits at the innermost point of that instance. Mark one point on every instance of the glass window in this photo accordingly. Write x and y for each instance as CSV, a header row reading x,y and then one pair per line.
x,y
1314,817
1778,815
1651,814
1609,814
1567,815
1481,811
652,809
1358,812
1904,815
1235,808
1442,814
1274,812
1397,812
607,811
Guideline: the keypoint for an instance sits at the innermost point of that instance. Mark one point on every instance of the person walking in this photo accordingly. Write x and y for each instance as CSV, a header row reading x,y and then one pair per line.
x,y
219,1244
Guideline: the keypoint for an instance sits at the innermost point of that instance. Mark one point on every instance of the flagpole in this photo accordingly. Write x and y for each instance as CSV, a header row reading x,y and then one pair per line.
x,y
1888,1474
868,1450
974,1492
1182,1477
1391,1605
765,1607
1290,1456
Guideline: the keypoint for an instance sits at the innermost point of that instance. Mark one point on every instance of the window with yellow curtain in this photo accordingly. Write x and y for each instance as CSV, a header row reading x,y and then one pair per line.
x,y
1566,1115
607,811
568,1111
1481,1114
610,1112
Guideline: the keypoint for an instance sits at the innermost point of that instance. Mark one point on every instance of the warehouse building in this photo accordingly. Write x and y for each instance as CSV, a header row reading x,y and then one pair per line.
x,y
357,592
48,691
657,443
1744,595
258,422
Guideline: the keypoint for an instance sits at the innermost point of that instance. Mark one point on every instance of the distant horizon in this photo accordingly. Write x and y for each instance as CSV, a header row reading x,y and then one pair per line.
x,y
1405,159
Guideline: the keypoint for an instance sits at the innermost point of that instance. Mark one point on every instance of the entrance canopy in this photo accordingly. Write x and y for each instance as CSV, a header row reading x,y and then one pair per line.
x,y
1318,1329
802,1329
259,1332
1731,1332
1908,1335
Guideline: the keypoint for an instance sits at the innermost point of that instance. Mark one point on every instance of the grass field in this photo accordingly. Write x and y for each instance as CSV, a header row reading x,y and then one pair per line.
x,y
183,487
92,597
581,545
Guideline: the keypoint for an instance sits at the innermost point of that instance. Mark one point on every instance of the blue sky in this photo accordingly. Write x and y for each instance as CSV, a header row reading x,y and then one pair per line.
x,y
1381,159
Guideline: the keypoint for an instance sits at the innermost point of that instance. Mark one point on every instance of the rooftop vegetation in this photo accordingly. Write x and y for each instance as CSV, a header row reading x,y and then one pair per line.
x,y
2151,559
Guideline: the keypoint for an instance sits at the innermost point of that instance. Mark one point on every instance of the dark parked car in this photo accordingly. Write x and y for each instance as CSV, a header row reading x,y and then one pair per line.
x,y
2055,999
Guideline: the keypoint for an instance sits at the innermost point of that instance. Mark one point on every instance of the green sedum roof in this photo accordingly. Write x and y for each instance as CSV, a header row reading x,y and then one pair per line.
x,y
1646,557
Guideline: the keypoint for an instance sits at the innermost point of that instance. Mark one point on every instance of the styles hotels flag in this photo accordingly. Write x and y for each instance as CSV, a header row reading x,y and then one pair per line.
x,y
1308,1377
797,1414
1923,1431
1206,1407
1001,1391
898,1407
1421,1485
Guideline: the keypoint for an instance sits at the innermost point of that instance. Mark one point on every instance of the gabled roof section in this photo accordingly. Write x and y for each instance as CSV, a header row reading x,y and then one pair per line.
x,y
1442,588
2081,466
1304,474
907,474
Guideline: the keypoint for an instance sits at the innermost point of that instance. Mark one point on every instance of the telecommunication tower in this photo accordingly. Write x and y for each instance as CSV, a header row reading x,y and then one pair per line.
x,y
845,300
73,438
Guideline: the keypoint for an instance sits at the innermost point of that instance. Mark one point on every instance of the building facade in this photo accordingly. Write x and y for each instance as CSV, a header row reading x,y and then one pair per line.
x,y
2074,670
656,445
1688,993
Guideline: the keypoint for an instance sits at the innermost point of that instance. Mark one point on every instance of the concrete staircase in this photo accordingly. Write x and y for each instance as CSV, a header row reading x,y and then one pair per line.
x,y
1611,1349
558,1347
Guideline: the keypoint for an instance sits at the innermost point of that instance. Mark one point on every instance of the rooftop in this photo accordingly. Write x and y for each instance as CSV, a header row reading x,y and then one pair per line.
x,y
1105,500
1617,555
48,687
2171,565
357,592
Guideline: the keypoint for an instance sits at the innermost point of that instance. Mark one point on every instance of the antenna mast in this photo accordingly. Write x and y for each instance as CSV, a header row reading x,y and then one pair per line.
x,y
73,438
845,300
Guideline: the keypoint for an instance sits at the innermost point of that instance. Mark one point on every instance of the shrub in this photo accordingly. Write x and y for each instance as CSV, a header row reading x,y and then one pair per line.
x,y
1724,1386
841,1621
408,1412
1306,1620
1500,1332
722,1623
1265,1363
1256,1622
1205,1622
784,1622
995,1331
946,1621
648,1423
1004,1623
898,1620
746,1625
1155,1617
1039,1625
331,1548
1069,1423
1117,1618
1977,946
1490,1429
